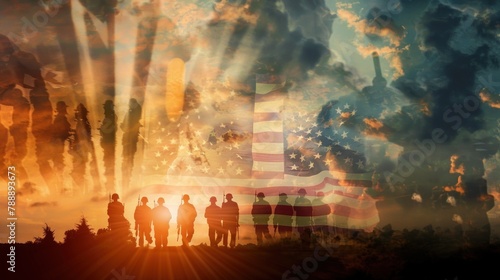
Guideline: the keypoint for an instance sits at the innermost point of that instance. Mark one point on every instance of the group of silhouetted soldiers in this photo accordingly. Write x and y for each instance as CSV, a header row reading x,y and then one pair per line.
x,y
223,221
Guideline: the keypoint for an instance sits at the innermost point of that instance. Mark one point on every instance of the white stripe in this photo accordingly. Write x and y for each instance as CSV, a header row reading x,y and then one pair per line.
x,y
268,166
268,148
273,106
268,126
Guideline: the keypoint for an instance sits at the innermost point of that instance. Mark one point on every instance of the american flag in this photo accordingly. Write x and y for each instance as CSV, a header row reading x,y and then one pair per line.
x,y
251,144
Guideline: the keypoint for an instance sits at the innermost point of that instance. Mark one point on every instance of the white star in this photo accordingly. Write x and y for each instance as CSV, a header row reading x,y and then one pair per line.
x,y
293,155
360,164
165,148
344,134
354,112
222,125
157,154
317,155
294,167
164,162
319,143
189,168
319,133
347,147
158,141
339,111
229,163
308,131
238,171
327,162
302,158
311,165
346,106
348,160
173,141
221,170
205,169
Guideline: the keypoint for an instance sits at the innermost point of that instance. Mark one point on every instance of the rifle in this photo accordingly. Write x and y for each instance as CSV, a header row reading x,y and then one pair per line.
x,y
136,225
178,225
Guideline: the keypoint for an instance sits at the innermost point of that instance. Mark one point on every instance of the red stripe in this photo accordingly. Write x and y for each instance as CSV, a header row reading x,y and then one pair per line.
x,y
262,117
268,137
267,157
267,175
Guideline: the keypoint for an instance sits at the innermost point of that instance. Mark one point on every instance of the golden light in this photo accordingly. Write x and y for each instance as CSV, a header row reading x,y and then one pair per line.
x,y
174,97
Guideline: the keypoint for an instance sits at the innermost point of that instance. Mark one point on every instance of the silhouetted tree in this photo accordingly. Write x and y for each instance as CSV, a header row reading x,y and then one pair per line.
x,y
82,235
48,238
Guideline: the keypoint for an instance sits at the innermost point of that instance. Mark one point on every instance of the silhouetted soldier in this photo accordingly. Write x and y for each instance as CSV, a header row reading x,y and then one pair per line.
x,y
130,127
61,129
81,147
161,223
116,220
303,217
21,69
143,217
108,143
214,221
282,220
261,211
320,212
185,220
230,220
474,201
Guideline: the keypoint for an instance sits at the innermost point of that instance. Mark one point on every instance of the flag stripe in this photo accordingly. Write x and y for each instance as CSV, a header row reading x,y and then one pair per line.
x,y
268,157
273,106
268,126
267,166
267,116
268,137
267,174
269,148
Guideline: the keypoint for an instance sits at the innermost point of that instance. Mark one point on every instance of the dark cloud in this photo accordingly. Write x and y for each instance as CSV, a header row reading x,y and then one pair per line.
x,y
27,188
43,203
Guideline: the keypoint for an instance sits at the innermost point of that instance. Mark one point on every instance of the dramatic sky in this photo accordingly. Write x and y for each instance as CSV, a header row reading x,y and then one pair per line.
x,y
438,94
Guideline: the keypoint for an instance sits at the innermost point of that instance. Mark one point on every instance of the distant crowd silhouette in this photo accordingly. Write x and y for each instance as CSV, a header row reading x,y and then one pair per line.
x,y
311,218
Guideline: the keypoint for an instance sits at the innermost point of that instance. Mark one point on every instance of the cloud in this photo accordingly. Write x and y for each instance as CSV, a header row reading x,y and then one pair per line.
x,y
43,204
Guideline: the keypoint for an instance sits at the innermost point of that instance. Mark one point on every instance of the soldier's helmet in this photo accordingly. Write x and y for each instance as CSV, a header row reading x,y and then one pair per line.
x,y
6,46
302,191
161,200
115,196
185,197
261,194
61,107
283,195
229,195
213,198
144,199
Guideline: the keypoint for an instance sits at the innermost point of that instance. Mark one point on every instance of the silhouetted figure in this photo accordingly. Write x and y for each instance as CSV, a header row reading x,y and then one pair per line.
x,y
473,201
303,217
61,129
261,211
214,221
143,216
108,143
320,212
82,149
282,219
185,220
230,220
161,223
117,222
19,68
130,127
